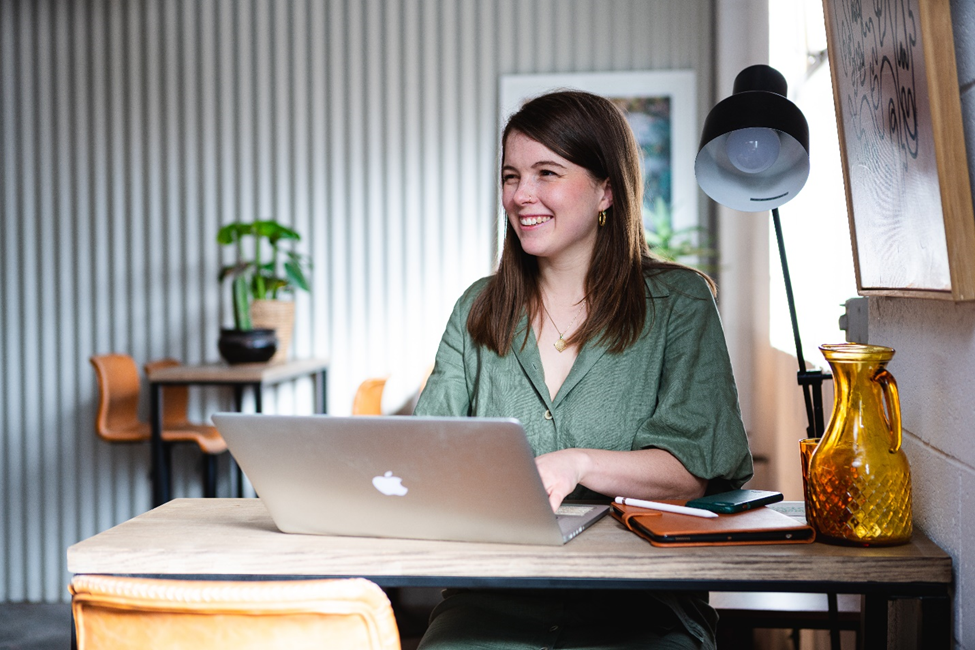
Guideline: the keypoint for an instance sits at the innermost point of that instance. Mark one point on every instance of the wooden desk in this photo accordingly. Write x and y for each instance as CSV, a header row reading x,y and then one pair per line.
x,y
236,539
240,377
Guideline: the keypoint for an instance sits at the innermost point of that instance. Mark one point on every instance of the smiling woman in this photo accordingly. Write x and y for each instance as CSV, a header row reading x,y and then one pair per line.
x,y
612,359
552,203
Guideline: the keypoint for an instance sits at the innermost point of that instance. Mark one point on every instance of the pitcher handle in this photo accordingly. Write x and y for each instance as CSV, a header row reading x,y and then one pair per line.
x,y
892,406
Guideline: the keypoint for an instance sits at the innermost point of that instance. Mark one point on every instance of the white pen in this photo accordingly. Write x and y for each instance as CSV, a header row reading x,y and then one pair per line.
x,y
666,507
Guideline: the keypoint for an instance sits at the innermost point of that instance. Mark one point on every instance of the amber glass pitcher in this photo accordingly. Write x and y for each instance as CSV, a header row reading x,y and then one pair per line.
x,y
859,479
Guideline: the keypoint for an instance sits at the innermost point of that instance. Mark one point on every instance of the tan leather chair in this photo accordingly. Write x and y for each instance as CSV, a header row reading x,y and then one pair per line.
x,y
117,419
124,613
368,398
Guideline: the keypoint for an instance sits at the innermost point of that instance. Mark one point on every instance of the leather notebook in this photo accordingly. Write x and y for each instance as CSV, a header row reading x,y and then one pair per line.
x,y
759,526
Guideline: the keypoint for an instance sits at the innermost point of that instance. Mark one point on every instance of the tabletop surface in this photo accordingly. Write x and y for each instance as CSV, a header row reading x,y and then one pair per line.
x,y
235,537
244,373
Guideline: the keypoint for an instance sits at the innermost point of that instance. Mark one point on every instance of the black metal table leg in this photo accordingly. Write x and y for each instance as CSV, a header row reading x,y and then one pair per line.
x,y
258,398
322,386
834,621
161,480
238,406
873,623
935,628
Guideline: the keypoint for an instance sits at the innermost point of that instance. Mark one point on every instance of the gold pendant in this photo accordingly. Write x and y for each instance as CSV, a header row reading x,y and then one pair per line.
x,y
560,344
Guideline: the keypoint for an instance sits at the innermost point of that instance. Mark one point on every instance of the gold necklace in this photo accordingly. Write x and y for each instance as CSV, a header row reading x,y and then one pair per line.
x,y
560,345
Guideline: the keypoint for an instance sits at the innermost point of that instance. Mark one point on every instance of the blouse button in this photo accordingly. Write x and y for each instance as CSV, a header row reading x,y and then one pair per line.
x,y
548,414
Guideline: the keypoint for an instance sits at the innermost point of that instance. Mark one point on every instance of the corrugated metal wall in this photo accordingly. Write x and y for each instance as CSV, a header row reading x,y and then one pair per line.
x,y
130,131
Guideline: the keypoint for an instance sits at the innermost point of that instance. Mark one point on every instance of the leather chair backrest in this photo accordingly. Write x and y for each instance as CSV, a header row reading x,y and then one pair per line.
x,y
176,398
117,419
125,613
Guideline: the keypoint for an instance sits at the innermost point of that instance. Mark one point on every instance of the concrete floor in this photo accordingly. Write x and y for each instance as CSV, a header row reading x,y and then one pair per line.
x,y
29,626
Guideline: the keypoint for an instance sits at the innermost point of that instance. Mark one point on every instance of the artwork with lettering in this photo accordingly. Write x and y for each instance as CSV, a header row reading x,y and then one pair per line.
x,y
887,67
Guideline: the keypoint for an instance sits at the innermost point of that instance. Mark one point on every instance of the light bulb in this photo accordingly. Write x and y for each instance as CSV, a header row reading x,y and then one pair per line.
x,y
753,150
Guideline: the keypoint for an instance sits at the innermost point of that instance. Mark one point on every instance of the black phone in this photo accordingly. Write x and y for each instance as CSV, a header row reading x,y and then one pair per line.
x,y
735,500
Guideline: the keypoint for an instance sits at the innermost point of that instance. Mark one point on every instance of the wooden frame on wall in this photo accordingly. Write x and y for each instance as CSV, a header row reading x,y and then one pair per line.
x,y
898,110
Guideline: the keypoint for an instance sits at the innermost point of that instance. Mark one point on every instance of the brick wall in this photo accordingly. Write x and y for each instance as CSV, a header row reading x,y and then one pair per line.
x,y
935,370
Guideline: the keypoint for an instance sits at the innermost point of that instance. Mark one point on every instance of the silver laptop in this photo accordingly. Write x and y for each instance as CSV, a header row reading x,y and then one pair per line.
x,y
459,479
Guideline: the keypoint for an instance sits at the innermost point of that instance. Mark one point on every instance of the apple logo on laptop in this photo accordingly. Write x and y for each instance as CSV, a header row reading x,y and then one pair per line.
x,y
390,485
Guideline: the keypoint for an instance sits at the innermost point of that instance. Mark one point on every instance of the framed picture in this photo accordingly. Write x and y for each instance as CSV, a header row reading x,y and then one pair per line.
x,y
898,111
661,109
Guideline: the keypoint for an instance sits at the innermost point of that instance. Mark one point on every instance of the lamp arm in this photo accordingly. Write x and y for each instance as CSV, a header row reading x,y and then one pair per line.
x,y
811,381
788,287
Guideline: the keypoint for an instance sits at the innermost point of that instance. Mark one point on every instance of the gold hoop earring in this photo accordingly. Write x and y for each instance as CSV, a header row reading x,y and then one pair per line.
x,y
602,218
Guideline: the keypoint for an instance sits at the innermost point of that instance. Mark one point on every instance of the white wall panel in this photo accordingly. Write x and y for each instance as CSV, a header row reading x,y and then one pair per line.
x,y
130,131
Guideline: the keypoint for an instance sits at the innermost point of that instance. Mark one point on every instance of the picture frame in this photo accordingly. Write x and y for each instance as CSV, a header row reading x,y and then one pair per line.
x,y
898,111
662,110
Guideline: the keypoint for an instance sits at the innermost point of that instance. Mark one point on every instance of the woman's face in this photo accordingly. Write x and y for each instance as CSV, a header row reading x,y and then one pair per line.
x,y
552,204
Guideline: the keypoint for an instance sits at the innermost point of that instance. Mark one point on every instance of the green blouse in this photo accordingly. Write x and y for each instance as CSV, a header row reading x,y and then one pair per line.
x,y
673,389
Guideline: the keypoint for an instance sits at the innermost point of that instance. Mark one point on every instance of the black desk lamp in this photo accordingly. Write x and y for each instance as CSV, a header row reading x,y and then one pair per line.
x,y
754,156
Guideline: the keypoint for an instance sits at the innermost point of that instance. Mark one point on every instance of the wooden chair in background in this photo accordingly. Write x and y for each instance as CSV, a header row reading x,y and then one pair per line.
x,y
117,419
126,613
368,398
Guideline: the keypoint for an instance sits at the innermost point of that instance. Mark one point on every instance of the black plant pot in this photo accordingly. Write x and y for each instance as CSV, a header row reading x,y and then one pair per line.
x,y
247,346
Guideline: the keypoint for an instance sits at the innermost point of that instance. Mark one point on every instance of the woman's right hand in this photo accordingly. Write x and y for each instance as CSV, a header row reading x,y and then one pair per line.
x,y
561,472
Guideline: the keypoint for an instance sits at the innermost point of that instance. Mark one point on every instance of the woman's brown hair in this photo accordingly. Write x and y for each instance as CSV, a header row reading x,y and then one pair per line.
x,y
589,131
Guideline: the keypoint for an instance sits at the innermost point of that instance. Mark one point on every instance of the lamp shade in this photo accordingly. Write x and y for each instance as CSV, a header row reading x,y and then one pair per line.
x,y
754,152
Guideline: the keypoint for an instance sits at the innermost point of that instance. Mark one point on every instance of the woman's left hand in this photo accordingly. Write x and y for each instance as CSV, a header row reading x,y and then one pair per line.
x,y
653,474
561,472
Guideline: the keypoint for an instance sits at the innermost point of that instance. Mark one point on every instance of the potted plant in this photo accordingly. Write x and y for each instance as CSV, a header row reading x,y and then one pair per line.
x,y
264,270
673,245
